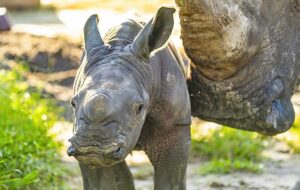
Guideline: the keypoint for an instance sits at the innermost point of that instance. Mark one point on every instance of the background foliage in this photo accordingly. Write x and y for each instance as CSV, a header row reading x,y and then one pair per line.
x,y
228,150
29,157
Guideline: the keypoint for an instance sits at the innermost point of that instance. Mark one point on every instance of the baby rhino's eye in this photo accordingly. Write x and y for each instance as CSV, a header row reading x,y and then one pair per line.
x,y
138,108
74,101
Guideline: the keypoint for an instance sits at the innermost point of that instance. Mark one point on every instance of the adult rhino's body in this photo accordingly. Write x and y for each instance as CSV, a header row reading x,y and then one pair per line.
x,y
130,94
246,61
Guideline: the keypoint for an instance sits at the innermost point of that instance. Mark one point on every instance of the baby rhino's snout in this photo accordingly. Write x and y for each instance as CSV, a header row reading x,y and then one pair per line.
x,y
98,134
115,152
101,155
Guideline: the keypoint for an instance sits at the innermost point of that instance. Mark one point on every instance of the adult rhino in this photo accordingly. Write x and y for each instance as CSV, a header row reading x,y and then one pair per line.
x,y
245,56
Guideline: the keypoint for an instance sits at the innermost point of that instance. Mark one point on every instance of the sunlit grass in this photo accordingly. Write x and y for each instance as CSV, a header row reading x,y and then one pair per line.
x,y
225,166
29,157
292,137
228,149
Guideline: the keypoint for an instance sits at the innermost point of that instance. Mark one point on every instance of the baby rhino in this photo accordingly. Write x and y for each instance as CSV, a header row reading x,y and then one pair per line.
x,y
130,94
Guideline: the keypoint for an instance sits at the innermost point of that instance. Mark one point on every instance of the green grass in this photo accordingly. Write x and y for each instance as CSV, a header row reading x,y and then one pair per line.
x,y
292,137
225,166
29,156
294,141
228,150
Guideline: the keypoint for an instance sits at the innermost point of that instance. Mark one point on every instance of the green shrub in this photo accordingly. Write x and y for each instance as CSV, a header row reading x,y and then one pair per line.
x,y
29,156
228,150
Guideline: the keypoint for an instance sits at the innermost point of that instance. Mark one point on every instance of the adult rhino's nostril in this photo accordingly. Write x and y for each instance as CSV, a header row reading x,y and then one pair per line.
x,y
71,151
276,89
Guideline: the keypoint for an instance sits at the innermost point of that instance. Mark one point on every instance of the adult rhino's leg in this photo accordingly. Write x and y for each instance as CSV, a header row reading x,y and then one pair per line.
x,y
169,155
117,177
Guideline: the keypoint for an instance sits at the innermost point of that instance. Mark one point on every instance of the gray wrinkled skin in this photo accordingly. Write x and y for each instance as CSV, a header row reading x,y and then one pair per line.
x,y
130,94
246,61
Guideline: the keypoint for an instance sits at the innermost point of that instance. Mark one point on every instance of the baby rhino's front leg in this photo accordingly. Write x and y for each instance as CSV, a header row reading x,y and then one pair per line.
x,y
169,156
117,177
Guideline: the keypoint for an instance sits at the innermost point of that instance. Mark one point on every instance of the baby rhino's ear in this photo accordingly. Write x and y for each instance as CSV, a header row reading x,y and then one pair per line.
x,y
92,37
155,34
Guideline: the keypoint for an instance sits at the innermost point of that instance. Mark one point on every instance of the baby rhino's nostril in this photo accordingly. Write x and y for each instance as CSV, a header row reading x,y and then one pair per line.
x,y
118,153
71,151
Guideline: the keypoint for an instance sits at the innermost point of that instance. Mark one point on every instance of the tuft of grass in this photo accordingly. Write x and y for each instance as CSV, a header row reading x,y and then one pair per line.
x,y
228,150
29,156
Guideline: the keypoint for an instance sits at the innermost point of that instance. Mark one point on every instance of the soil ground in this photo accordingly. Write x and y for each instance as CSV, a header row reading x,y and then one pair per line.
x,y
281,171
53,61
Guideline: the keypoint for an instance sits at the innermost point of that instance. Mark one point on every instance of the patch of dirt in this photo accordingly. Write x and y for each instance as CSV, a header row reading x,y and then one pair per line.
x,y
52,63
44,55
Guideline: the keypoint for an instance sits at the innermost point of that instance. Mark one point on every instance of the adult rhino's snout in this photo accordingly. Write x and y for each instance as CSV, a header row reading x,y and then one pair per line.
x,y
281,116
281,113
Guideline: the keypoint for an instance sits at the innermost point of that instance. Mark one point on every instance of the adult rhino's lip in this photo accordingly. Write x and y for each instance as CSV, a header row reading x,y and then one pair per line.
x,y
277,119
281,116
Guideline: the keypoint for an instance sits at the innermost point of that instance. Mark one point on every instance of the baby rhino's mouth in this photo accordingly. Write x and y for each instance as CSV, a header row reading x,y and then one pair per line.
x,y
95,156
96,153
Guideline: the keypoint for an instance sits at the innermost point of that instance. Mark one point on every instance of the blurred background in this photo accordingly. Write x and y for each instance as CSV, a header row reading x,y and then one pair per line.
x,y
40,48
